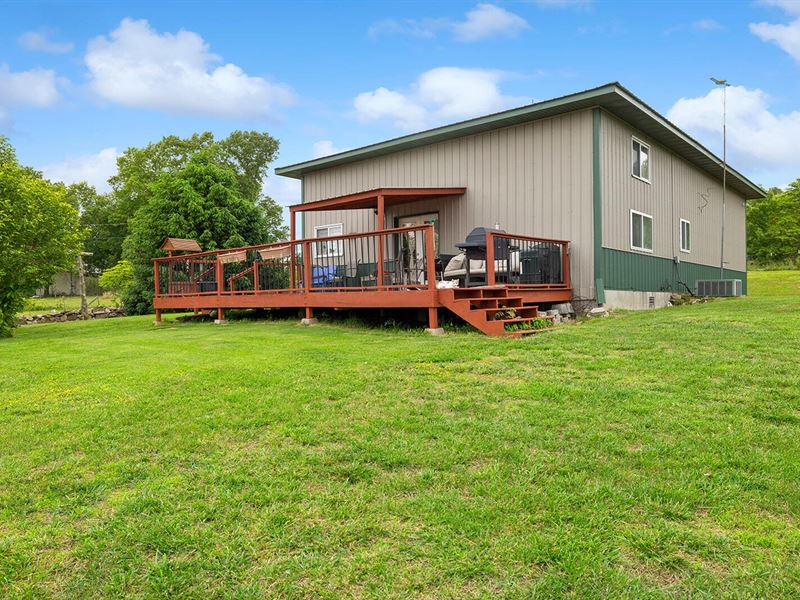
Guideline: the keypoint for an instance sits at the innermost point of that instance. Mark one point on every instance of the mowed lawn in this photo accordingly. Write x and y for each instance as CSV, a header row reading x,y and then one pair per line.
x,y
651,454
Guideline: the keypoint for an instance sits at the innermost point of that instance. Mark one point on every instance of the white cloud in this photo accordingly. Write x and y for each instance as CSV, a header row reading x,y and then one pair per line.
x,y
94,169
790,6
487,20
423,28
482,22
285,191
39,41
21,89
138,67
757,137
441,94
563,3
325,148
704,25
785,36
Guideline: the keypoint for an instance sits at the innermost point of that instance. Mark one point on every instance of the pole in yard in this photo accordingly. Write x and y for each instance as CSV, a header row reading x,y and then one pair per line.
x,y
725,85
82,284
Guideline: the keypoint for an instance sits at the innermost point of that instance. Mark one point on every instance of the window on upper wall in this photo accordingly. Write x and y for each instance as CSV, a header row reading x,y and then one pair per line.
x,y
331,247
641,231
640,160
686,236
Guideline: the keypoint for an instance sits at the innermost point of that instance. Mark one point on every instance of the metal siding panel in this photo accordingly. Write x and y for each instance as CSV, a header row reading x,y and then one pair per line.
x,y
630,271
534,178
676,191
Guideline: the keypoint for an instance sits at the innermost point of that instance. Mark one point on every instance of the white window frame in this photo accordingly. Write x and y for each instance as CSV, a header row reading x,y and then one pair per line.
x,y
687,248
649,159
652,232
331,249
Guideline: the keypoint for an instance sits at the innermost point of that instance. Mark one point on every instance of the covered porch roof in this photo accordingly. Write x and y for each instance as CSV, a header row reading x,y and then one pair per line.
x,y
374,198
377,199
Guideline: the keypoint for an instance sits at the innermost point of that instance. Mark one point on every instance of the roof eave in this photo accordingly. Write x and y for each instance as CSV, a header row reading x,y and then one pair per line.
x,y
578,101
430,136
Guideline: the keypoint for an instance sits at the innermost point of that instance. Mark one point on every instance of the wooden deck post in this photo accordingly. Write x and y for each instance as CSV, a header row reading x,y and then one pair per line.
x,y
430,266
156,277
490,274
565,260
292,255
308,275
220,320
379,240
158,316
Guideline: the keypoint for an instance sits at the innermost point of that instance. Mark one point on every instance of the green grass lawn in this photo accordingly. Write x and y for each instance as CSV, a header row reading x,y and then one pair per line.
x,y
38,306
649,454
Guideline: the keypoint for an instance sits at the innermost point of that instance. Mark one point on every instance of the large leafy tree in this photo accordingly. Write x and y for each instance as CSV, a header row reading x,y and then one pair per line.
x,y
247,154
40,234
202,200
106,228
773,225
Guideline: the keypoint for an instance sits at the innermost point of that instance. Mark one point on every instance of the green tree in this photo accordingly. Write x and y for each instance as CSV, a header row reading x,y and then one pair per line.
x,y
247,154
105,227
202,201
118,279
40,234
773,226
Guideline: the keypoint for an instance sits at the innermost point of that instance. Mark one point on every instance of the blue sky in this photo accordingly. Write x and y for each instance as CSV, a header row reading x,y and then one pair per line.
x,y
80,82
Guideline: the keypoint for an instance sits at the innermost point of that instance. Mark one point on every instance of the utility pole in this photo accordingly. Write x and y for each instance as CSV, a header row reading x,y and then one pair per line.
x,y
725,85
82,283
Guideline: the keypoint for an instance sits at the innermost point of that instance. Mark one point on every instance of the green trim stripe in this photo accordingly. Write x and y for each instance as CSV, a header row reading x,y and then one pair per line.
x,y
597,209
632,271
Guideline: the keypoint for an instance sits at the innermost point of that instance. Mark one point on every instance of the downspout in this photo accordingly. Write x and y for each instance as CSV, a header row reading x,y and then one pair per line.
x,y
597,209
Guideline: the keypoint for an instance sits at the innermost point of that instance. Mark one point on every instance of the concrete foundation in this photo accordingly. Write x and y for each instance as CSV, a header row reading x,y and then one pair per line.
x,y
308,322
220,322
435,331
636,300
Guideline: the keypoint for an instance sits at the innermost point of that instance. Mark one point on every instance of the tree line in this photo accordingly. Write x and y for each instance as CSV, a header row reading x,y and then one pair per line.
x,y
196,187
209,190
773,228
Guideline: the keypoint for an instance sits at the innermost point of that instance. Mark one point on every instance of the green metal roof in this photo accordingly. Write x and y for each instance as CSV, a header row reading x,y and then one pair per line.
x,y
612,97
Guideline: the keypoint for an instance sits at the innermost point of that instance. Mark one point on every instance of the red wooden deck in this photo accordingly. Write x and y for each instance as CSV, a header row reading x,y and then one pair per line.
x,y
391,268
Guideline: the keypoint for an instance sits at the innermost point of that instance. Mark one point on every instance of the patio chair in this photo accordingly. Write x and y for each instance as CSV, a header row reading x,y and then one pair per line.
x,y
367,273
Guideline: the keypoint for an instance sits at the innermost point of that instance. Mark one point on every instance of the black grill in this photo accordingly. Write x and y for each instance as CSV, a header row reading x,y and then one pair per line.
x,y
474,246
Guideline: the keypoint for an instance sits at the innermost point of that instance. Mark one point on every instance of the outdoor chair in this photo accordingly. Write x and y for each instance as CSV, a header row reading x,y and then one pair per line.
x,y
367,273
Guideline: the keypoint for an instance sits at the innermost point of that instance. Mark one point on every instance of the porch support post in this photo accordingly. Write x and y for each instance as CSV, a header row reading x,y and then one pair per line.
x,y
158,316
490,264
379,240
430,267
308,274
292,253
220,320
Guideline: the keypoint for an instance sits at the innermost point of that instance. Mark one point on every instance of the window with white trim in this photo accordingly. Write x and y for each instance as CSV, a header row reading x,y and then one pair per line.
x,y
640,160
686,236
328,248
641,231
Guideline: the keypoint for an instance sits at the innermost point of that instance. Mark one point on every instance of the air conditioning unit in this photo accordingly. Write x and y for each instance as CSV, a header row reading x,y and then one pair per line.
x,y
719,287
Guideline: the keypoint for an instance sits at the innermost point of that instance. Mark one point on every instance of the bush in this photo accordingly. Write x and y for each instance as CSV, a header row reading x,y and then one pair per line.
x,y
118,279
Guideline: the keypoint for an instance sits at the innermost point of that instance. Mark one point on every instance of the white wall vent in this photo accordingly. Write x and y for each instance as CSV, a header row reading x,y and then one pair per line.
x,y
719,287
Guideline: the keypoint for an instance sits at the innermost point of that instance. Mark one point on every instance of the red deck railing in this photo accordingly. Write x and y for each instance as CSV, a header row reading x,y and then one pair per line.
x,y
392,259
400,259
527,262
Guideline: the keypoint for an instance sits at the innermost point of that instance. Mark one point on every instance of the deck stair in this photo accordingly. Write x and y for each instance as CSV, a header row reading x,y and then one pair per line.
x,y
490,309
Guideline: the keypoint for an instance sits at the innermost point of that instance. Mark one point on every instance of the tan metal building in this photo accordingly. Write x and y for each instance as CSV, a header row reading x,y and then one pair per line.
x,y
640,200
